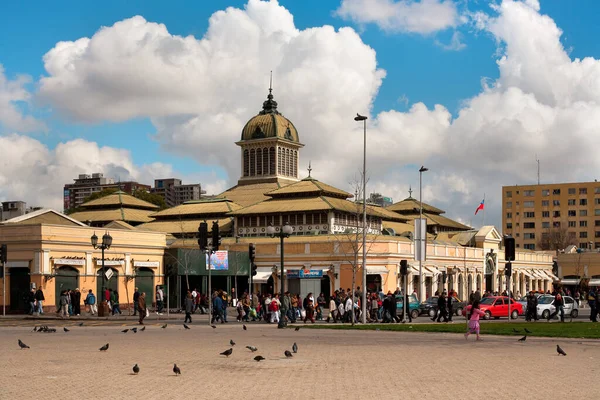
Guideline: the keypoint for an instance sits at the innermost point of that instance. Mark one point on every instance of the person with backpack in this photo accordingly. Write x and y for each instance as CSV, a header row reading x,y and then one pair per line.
x,y
90,300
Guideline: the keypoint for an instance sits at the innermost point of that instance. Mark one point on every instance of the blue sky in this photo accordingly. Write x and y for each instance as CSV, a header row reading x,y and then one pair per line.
x,y
420,71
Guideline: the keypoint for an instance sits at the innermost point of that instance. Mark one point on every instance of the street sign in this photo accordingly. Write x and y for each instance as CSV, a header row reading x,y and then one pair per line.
x,y
109,273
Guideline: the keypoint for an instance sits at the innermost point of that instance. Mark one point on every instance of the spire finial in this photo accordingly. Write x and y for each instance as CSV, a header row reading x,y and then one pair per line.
x,y
270,105
309,169
410,191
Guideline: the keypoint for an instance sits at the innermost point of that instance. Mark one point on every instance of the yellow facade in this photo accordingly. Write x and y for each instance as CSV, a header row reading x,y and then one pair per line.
x,y
579,268
530,211
39,254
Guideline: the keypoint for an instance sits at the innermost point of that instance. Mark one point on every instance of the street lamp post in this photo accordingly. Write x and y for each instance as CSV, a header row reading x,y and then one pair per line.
x,y
105,245
283,232
422,235
364,227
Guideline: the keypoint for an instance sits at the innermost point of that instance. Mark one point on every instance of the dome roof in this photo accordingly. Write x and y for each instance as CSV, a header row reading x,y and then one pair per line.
x,y
269,123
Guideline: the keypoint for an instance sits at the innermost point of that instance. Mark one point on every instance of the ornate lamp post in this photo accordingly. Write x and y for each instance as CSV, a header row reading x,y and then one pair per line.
x,y
282,232
423,235
364,222
105,245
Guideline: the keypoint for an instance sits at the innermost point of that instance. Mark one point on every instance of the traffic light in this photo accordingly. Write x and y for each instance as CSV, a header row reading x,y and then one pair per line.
x,y
251,252
203,236
254,269
216,238
3,253
403,267
508,269
509,248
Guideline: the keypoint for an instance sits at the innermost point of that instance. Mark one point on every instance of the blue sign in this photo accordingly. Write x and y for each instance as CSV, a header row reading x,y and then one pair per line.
x,y
305,273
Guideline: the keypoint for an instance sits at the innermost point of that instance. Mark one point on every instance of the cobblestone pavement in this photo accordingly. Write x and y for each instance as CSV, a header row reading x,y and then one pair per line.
x,y
329,364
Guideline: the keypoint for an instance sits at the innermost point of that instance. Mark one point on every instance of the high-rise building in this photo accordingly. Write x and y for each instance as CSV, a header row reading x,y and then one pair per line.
x,y
552,216
377,198
86,185
12,209
175,193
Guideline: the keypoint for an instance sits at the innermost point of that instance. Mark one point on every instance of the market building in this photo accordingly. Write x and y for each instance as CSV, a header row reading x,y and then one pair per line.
x,y
53,251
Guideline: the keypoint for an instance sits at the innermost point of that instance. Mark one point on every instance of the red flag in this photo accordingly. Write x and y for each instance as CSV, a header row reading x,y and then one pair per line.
x,y
481,206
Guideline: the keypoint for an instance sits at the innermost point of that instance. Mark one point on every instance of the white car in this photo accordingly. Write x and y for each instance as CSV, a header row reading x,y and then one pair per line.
x,y
546,307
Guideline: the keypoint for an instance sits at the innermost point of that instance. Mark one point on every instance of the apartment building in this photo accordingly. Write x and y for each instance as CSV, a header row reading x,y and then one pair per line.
x,y
534,213
13,209
175,192
85,185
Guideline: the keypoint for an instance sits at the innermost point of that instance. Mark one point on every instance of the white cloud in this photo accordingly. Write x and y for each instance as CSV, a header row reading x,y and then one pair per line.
x,y
455,44
424,16
200,92
12,94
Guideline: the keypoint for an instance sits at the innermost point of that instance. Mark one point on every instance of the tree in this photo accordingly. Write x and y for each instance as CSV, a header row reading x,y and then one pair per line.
x,y
150,198
557,238
348,243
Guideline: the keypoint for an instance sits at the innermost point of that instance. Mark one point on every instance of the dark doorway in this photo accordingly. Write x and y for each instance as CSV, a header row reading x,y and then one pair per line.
x,y
373,283
489,282
19,288
111,283
144,281
66,278
242,284
326,287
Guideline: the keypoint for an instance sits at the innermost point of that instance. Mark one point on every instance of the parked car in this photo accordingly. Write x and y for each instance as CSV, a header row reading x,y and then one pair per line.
x,y
546,306
413,306
497,306
430,307
523,301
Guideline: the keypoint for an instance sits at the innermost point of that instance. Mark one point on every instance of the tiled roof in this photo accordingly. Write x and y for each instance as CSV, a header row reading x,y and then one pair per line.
x,y
119,199
120,214
207,207
246,195
119,225
440,220
412,205
186,226
399,227
309,186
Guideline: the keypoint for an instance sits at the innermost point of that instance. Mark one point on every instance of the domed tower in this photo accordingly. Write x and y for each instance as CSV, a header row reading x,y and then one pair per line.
x,y
270,147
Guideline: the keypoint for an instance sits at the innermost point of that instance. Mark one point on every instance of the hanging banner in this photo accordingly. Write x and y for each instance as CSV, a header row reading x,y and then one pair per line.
x,y
219,261
305,273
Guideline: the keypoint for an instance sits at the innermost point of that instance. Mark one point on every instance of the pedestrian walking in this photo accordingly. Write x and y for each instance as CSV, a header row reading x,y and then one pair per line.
x,y
442,312
159,300
142,307
475,313
90,300
76,301
31,301
449,305
64,304
189,307
136,297
593,303
39,298
114,299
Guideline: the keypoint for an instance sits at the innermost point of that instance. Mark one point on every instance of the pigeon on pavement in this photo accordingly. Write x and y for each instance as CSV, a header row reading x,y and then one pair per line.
x,y
527,330
297,328
65,329
176,369
251,348
524,338
560,351
295,347
227,353
259,358
244,326
143,329
134,330
231,342
164,326
81,324
213,326
23,345
35,328
136,369
104,348
125,330
516,331
185,326
287,354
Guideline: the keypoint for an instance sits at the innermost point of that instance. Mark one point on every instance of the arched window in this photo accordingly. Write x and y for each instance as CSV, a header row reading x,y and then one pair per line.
x,y
272,161
252,162
288,162
246,163
295,164
279,161
259,162
265,162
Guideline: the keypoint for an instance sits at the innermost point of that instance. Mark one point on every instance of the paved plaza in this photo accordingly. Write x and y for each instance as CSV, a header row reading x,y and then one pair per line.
x,y
329,364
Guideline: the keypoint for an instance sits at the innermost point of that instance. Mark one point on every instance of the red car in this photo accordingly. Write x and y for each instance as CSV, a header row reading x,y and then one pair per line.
x,y
497,306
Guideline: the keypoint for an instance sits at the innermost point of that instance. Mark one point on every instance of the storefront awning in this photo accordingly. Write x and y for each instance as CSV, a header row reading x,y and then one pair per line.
x,y
413,270
570,281
430,271
376,270
262,275
552,276
594,282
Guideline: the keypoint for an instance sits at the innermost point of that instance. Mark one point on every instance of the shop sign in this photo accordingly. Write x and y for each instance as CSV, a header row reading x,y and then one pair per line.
x,y
305,273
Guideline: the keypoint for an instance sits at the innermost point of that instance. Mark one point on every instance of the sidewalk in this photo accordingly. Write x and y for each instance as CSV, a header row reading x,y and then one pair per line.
x,y
49,316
